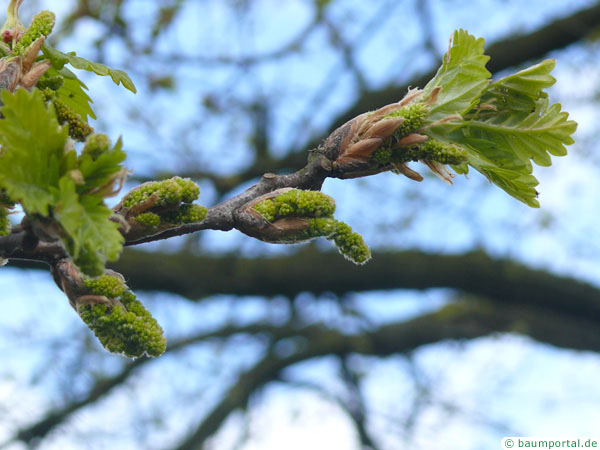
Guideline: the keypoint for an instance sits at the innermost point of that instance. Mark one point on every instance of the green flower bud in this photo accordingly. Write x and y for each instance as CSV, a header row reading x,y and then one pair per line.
x,y
350,244
189,190
186,213
95,145
295,216
382,155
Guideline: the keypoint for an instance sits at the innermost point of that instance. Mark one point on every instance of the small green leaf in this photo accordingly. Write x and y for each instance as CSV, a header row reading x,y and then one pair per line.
x,y
100,171
462,77
531,81
59,59
520,91
56,57
544,131
33,149
87,222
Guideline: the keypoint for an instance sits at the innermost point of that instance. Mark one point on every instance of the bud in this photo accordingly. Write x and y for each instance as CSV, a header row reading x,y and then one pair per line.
x,y
166,193
288,216
362,145
96,145
160,205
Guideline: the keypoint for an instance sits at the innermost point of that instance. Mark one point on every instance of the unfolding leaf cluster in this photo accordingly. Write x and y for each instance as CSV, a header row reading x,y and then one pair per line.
x,y
503,125
59,190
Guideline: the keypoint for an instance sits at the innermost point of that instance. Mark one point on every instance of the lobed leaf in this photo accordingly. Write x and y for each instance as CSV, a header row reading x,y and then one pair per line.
x,y
33,149
505,124
86,219
59,59
37,172
520,91
101,171
462,77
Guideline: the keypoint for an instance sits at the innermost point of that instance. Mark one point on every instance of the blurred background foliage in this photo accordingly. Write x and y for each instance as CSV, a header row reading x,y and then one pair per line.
x,y
477,318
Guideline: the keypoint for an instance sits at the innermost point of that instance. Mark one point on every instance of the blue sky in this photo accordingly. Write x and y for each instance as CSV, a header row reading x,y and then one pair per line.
x,y
476,390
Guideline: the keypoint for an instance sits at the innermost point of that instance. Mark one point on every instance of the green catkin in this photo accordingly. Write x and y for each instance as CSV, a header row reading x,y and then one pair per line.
x,y
41,25
148,219
109,286
414,117
171,192
296,203
78,128
189,190
129,329
186,213
350,244
318,209
434,150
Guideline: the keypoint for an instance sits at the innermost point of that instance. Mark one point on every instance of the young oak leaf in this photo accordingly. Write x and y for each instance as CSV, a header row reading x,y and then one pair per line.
x,y
90,232
33,150
99,171
461,78
35,171
59,59
520,91
502,125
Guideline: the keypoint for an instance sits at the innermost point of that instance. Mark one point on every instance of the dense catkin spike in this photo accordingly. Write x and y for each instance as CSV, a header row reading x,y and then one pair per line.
x,y
186,213
382,156
48,94
296,203
78,128
189,190
120,322
148,219
109,286
296,215
431,150
349,243
169,193
41,25
414,117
